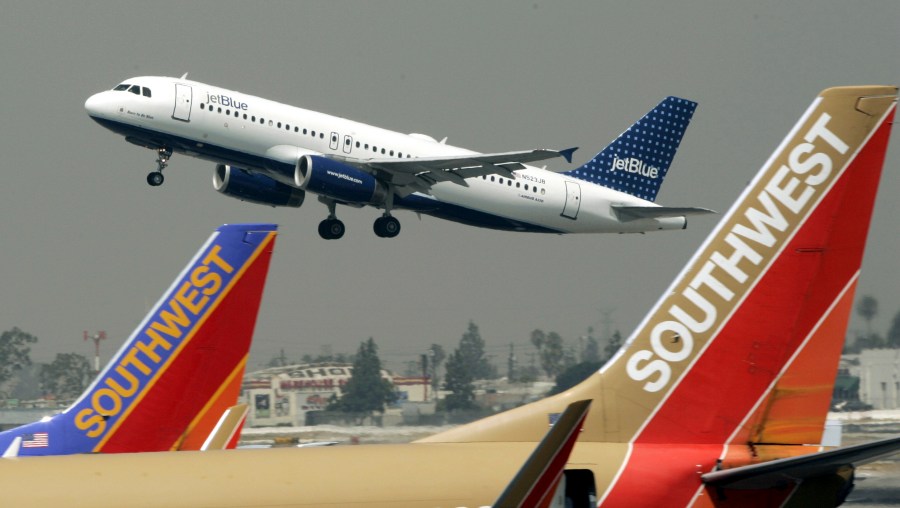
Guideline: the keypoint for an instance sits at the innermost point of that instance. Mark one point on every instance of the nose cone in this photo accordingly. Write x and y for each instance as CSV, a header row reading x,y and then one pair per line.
x,y
92,105
99,105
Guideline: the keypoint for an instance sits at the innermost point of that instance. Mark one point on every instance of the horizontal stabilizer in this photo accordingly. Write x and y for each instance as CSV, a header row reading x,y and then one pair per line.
x,y
628,213
791,470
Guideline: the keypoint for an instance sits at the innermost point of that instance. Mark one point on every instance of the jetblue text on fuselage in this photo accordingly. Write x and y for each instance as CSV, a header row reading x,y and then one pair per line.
x,y
224,100
633,165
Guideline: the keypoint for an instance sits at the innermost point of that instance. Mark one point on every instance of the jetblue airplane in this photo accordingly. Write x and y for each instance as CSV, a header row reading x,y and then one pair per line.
x,y
172,382
273,154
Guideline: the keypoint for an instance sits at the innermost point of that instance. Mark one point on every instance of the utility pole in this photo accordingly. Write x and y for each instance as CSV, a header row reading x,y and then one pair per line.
x,y
97,337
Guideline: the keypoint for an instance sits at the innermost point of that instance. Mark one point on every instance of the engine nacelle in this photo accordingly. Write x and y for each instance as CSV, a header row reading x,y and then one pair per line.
x,y
338,181
255,187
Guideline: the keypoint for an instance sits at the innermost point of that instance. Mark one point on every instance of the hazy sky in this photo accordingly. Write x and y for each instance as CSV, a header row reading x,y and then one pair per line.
x,y
88,245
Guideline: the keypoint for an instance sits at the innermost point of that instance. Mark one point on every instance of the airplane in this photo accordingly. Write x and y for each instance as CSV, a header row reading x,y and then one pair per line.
x,y
171,384
273,154
718,398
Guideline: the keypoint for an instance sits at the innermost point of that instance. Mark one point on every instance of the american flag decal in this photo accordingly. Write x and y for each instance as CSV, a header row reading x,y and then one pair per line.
x,y
36,440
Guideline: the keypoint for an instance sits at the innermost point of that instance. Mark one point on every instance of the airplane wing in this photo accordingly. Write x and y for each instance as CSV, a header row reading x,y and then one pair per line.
x,y
793,469
411,175
537,480
628,213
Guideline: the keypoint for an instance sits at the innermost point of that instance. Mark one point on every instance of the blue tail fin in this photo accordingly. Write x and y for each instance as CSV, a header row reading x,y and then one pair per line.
x,y
170,382
637,161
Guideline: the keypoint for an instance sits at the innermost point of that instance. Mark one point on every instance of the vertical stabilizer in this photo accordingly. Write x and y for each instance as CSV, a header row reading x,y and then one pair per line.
x,y
637,161
171,381
755,323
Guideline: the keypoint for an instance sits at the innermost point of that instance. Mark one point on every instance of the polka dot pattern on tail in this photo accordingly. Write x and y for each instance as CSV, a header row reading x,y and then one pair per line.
x,y
638,160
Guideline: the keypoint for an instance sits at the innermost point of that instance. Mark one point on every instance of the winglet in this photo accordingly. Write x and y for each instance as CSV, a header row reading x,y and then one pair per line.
x,y
567,153
229,426
539,476
13,449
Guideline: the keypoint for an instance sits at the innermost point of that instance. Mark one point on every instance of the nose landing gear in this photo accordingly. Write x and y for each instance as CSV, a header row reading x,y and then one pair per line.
x,y
156,178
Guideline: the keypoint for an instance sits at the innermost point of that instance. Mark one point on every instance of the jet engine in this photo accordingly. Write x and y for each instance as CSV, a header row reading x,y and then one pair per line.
x,y
255,187
338,181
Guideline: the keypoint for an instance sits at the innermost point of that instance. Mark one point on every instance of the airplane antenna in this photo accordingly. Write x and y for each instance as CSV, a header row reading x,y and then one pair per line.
x,y
183,76
97,337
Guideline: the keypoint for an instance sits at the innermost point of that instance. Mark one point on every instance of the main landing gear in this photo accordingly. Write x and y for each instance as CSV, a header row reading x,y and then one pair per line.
x,y
387,226
156,178
331,228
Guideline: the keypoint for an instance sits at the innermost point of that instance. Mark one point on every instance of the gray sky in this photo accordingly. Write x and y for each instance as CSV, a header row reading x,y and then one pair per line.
x,y
88,245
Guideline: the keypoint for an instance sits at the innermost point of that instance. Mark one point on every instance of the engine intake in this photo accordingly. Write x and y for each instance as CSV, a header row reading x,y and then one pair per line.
x,y
338,181
255,187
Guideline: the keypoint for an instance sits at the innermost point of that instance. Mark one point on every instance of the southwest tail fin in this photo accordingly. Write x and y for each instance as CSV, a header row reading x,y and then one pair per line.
x,y
637,161
744,345
181,368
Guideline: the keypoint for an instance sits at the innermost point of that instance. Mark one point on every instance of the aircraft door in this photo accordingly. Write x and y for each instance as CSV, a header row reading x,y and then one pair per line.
x,y
183,96
573,201
348,144
334,141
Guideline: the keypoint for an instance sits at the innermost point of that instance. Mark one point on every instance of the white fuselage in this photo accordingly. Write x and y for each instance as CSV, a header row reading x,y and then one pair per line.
x,y
246,131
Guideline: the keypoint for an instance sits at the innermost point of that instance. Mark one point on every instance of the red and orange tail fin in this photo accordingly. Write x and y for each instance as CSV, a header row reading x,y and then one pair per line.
x,y
181,369
744,344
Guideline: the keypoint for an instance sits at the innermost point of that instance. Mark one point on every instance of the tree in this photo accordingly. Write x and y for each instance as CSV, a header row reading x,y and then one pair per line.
x,y
867,308
574,375
14,352
615,342
67,376
591,351
459,381
550,350
438,355
471,347
366,391
893,336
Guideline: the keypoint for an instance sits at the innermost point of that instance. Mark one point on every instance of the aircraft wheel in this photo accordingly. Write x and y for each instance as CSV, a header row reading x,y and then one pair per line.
x,y
331,229
386,227
155,178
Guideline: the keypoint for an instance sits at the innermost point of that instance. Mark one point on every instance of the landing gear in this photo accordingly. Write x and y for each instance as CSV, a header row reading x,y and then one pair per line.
x,y
386,227
156,178
331,228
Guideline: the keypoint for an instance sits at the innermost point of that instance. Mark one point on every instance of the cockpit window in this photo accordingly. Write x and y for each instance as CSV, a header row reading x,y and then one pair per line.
x,y
123,86
135,89
146,92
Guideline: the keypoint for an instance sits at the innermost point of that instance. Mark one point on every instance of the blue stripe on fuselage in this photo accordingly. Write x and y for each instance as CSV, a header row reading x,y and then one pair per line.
x,y
285,173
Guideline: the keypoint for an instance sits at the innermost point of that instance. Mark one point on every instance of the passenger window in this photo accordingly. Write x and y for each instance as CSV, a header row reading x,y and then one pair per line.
x,y
296,129
312,133
400,154
202,106
245,116
146,92
392,153
304,131
219,110
321,135
279,125
227,112
271,123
